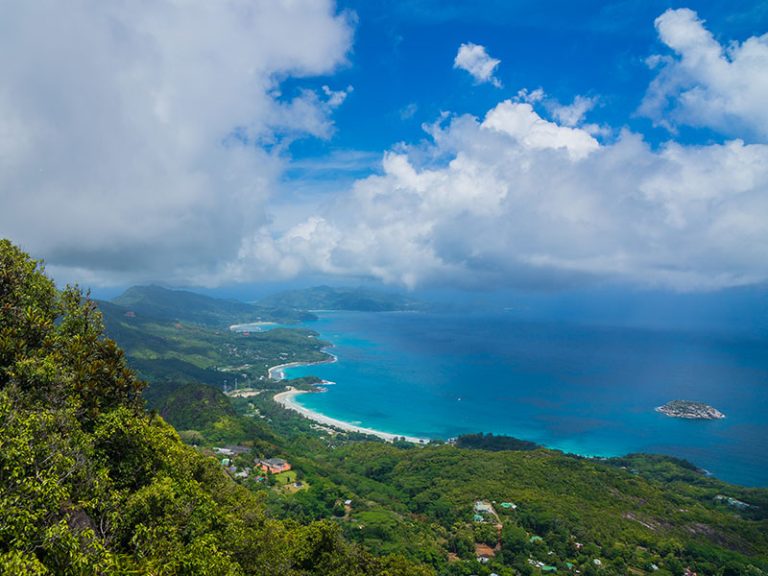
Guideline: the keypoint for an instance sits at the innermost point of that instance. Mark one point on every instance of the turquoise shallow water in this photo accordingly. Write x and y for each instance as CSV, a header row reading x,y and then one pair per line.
x,y
587,390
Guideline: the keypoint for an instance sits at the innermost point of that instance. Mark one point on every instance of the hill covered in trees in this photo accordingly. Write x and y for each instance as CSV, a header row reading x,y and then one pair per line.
x,y
92,484
183,306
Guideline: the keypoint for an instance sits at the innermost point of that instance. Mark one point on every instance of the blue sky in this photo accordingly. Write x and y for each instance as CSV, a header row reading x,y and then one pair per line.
x,y
403,53
529,146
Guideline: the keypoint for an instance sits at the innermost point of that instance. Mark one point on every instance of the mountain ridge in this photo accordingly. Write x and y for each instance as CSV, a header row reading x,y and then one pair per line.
x,y
343,298
185,306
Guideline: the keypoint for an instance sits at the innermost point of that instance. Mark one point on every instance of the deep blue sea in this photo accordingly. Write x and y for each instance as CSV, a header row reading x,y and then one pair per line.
x,y
582,389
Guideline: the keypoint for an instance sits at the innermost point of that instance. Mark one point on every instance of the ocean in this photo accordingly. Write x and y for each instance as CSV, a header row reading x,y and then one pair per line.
x,y
588,390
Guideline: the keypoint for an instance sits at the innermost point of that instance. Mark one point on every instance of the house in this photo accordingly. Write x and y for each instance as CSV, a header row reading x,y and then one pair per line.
x,y
231,450
483,553
273,465
733,502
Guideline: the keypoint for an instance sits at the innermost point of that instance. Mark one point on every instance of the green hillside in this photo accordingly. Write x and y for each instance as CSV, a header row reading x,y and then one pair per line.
x,y
169,353
91,484
182,306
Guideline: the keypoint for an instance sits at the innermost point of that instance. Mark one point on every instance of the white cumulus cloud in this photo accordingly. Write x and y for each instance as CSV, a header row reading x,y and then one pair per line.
x,y
707,84
529,202
530,130
474,59
145,138
573,114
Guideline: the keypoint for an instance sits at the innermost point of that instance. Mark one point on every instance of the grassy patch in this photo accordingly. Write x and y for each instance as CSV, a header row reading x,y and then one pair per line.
x,y
284,478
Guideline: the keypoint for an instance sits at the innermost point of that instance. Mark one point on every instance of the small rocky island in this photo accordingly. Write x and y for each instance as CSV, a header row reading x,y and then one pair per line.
x,y
692,410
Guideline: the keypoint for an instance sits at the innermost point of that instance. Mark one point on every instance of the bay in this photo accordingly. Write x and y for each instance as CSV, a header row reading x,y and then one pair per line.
x,y
589,390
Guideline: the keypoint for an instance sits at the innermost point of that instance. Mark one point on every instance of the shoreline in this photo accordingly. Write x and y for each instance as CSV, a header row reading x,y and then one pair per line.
x,y
278,372
287,399
258,326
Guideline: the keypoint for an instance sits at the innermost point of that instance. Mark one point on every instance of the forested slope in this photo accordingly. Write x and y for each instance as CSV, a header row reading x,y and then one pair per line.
x,y
91,484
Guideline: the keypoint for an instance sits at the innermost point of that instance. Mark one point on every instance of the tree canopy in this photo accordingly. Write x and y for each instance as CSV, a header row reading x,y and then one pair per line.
x,y
92,484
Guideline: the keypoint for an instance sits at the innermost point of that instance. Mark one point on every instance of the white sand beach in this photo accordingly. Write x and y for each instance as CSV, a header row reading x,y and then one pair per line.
x,y
278,372
252,326
288,400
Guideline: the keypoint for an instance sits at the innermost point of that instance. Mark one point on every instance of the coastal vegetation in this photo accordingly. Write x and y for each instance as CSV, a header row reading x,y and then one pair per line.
x,y
92,482
172,349
495,443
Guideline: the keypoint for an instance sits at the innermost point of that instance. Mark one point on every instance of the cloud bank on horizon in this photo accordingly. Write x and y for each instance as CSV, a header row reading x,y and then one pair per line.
x,y
142,144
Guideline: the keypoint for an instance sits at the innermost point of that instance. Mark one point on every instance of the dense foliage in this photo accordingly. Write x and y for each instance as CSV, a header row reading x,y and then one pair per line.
x,y
619,517
491,442
91,484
